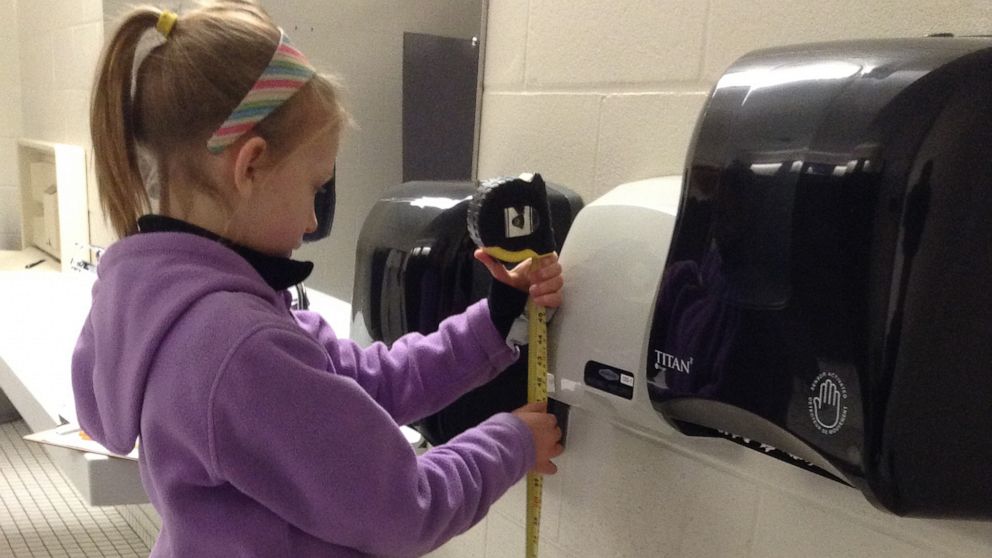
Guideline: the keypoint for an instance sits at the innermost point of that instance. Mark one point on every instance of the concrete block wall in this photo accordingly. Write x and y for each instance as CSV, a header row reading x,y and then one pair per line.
x,y
594,93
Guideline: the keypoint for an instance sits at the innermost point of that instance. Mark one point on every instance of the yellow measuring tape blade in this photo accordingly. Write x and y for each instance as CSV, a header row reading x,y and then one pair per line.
x,y
537,390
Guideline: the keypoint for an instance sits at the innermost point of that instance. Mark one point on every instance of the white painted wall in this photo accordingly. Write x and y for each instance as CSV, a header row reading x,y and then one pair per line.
x,y
594,93
10,127
48,50
59,45
362,42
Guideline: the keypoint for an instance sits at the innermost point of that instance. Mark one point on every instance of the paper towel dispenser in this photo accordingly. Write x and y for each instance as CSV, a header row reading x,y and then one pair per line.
x,y
415,267
825,286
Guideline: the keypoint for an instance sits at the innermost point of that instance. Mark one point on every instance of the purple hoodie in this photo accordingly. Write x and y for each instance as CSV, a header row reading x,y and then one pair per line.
x,y
262,433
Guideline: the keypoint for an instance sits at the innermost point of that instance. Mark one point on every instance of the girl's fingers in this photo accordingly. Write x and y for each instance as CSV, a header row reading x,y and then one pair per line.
x,y
546,468
542,283
535,407
495,268
552,285
545,272
552,300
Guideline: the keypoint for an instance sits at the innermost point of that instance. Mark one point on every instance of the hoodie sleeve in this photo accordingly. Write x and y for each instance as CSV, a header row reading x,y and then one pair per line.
x,y
420,374
315,449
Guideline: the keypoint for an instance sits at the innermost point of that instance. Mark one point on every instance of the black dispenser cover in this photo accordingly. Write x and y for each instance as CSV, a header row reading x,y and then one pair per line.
x,y
415,267
828,291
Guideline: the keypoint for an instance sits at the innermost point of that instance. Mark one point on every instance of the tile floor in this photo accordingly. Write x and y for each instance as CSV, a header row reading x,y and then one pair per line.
x,y
42,516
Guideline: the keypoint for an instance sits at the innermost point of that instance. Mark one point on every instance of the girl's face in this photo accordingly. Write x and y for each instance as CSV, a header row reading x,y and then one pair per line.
x,y
280,209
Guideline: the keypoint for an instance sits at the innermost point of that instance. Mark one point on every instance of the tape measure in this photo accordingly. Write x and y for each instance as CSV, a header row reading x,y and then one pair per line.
x,y
537,391
510,219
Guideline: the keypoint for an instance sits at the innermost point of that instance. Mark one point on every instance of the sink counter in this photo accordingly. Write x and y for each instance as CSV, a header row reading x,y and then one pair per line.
x,y
43,313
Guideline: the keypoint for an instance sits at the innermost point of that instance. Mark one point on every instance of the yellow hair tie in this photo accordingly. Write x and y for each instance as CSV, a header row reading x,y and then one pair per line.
x,y
166,21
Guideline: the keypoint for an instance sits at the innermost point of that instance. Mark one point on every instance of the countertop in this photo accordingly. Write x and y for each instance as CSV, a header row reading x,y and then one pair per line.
x,y
43,313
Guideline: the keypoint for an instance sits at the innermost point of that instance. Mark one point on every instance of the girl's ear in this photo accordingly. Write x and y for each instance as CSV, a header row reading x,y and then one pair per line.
x,y
246,164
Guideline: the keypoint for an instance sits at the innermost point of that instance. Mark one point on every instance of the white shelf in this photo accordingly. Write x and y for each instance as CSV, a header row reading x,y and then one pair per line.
x,y
20,260
54,212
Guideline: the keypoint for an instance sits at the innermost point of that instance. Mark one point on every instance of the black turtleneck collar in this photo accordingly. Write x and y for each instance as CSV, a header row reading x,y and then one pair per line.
x,y
280,273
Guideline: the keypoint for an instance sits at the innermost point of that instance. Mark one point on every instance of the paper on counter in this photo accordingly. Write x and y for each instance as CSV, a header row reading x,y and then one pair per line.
x,y
70,436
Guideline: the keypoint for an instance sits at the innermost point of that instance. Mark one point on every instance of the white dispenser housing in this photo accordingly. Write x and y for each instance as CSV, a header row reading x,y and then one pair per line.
x,y
613,260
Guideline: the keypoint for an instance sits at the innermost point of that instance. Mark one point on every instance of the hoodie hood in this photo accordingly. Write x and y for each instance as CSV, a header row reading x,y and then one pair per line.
x,y
145,283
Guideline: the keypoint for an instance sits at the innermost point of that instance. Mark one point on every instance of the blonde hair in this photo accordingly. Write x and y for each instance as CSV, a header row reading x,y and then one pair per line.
x,y
184,89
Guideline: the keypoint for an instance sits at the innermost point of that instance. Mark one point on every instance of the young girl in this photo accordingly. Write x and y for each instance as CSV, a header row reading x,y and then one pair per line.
x,y
263,434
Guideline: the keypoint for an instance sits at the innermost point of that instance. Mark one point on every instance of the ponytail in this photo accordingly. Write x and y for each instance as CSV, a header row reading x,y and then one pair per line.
x,y
112,126
184,89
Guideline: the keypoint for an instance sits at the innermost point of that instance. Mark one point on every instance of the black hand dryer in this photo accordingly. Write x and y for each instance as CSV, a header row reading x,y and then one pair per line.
x,y
415,267
835,237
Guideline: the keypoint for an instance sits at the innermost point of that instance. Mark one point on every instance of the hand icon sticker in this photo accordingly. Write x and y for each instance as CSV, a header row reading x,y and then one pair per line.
x,y
826,408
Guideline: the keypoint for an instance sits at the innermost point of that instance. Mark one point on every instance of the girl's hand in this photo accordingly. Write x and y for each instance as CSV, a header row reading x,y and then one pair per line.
x,y
547,435
543,284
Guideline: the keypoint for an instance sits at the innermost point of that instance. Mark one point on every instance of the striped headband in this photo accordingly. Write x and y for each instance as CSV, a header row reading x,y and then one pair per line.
x,y
286,74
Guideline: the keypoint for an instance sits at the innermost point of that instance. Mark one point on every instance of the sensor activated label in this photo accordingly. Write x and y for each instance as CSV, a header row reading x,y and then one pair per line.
x,y
827,403
609,379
